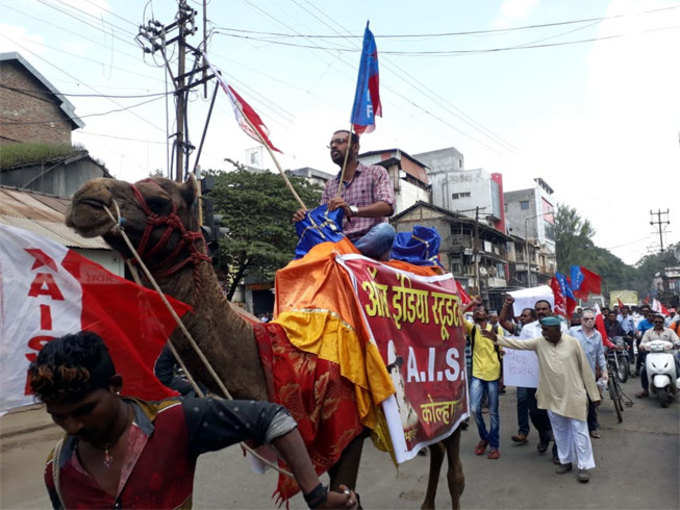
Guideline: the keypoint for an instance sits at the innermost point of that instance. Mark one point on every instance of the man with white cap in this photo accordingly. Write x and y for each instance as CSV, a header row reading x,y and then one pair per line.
x,y
565,383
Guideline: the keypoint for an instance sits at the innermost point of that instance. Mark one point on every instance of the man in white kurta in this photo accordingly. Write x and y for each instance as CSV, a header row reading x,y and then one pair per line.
x,y
565,382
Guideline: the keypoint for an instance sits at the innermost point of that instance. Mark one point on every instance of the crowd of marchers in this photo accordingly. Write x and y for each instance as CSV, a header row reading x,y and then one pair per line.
x,y
572,364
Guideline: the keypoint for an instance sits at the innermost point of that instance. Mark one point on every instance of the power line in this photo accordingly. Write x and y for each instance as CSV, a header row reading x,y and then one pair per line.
x,y
448,53
59,27
124,138
424,89
99,20
97,114
98,28
113,14
449,34
76,79
68,94
393,91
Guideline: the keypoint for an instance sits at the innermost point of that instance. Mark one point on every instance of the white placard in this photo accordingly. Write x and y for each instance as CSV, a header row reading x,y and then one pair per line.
x,y
526,298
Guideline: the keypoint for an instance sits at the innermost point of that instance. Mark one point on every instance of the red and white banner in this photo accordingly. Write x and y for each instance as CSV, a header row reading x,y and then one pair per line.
x,y
415,322
47,290
246,116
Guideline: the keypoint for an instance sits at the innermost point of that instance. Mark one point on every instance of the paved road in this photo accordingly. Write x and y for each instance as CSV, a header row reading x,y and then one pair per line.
x,y
638,467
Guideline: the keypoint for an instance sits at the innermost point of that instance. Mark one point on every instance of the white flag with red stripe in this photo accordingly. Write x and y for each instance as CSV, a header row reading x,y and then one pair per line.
x,y
47,290
254,127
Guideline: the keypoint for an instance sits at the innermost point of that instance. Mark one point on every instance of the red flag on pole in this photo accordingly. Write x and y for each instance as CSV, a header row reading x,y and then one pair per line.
x,y
620,303
465,298
599,324
246,117
47,291
560,306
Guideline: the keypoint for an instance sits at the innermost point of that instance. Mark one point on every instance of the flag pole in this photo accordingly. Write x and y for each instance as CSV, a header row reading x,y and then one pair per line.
x,y
344,164
276,161
259,136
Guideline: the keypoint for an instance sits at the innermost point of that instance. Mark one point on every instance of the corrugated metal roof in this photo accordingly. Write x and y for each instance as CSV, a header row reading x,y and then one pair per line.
x,y
42,215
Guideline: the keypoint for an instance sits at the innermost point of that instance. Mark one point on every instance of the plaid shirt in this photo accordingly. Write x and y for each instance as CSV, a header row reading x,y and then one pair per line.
x,y
369,185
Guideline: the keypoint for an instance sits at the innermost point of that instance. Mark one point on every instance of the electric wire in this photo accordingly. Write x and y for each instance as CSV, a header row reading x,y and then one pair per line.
x,y
408,100
424,89
70,94
96,114
450,53
452,34
76,79
98,28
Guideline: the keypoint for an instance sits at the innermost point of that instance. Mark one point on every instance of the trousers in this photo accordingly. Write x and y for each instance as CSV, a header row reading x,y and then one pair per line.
x,y
572,440
377,242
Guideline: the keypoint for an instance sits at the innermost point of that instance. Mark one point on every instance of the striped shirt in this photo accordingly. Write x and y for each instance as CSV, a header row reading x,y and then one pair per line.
x,y
370,184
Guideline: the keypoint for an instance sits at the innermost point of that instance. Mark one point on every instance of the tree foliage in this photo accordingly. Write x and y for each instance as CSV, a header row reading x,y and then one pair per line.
x,y
574,246
256,210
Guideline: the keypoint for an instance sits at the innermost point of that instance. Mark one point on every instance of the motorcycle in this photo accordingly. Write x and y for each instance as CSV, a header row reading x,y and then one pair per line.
x,y
660,365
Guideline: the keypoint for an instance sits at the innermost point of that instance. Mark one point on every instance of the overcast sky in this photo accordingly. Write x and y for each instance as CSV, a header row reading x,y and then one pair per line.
x,y
598,120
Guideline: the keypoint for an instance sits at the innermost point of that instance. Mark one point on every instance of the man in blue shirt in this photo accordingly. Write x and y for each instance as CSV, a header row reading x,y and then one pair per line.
x,y
591,342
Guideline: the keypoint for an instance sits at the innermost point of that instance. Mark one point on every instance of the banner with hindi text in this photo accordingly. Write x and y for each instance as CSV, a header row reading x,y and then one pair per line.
x,y
415,322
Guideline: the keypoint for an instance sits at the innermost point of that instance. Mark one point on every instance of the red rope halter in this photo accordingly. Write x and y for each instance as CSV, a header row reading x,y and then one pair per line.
x,y
188,239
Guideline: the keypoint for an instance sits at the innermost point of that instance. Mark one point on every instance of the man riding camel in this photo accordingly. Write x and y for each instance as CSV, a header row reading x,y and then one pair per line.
x,y
366,198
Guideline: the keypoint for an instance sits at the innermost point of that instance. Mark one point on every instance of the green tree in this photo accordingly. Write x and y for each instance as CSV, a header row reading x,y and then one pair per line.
x,y
574,246
573,237
256,209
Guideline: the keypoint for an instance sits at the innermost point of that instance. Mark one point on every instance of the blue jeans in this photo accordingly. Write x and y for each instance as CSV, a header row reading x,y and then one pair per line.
x,y
377,242
477,389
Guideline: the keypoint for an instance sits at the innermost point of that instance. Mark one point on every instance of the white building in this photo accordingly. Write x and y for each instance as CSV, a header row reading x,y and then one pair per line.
x,y
408,175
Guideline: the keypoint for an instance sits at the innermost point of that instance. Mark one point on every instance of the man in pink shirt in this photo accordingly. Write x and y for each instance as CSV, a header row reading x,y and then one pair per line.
x,y
366,198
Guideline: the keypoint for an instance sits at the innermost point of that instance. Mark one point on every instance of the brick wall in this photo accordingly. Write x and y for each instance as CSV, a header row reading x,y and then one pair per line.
x,y
39,116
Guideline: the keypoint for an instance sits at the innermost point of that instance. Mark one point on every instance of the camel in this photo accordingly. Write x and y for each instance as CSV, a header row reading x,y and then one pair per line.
x,y
175,252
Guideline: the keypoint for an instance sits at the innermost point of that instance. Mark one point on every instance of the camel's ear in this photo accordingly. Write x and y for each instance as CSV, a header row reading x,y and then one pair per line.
x,y
188,190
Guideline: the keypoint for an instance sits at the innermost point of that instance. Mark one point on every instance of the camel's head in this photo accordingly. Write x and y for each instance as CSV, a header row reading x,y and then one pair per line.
x,y
150,199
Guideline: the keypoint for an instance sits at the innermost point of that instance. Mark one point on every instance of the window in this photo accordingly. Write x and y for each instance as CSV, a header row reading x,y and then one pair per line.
x,y
463,194
524,204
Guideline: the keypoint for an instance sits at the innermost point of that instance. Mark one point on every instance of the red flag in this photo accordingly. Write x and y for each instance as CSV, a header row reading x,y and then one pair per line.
x,y
47,291
560,306
599,324
620,303
659,308
465,299
592,282
246,117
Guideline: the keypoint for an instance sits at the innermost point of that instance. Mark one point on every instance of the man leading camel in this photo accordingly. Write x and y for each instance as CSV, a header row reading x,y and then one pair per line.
x,y
366,198
128,453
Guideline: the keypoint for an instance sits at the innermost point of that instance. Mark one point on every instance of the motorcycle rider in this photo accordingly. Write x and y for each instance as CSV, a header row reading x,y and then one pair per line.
x,y
658,332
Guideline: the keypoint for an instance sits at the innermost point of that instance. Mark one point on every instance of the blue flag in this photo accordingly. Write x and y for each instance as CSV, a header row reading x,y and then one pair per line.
x,y
320,225
367,96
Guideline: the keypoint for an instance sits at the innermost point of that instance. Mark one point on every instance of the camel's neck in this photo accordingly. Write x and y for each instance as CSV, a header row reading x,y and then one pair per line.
x,y
226,338
203,292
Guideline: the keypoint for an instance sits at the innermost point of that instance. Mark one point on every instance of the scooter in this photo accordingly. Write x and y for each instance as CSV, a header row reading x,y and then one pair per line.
x,y
660,364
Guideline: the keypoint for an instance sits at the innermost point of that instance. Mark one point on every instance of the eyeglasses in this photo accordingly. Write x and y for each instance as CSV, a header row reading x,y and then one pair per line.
x,y
588,318
336,141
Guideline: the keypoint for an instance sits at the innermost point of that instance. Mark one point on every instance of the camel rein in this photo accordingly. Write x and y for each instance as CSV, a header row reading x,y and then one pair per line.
x,y
118,226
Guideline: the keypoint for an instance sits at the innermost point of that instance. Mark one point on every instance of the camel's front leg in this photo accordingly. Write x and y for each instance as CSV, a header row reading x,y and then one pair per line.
x,y
436,459
455,475
346,469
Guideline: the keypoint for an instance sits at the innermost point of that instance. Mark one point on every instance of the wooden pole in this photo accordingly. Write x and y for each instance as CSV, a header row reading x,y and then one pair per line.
x,y
344,164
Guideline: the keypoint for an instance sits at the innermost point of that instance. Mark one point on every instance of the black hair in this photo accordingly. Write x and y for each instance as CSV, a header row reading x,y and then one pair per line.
x,y
532,312
70,367
544,301
355,137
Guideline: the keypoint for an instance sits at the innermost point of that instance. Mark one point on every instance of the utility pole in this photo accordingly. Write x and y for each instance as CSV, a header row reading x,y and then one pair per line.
x,y
659,223
156,37
475,252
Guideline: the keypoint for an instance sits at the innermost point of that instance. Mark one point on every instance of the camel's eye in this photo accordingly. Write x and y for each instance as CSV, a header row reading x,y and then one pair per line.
x,y
158,204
